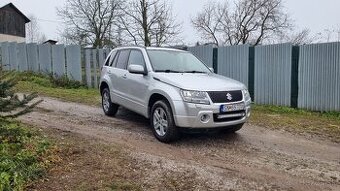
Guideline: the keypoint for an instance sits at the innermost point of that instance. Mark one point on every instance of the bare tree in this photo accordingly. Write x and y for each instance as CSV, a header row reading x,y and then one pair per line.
x,y
89,22
209,21
301,37
332,34
149,22
251,21
33,31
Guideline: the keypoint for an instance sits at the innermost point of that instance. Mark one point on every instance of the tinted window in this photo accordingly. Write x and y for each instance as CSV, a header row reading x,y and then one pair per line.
x,y
107,61
122,59
114,60
136,58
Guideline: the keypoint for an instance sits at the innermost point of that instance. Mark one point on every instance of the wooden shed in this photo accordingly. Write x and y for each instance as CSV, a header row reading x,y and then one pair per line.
x,y
12,24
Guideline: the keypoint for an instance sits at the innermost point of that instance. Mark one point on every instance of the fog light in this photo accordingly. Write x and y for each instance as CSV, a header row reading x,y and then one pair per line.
x,y
205,118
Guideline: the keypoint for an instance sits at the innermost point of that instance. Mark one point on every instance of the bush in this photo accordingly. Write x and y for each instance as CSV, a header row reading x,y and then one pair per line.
x,y
9,101
65,82
21,155
52,81
21,151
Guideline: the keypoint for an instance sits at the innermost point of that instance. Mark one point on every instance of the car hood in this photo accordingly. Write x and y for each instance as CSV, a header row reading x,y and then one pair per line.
x,y
199,82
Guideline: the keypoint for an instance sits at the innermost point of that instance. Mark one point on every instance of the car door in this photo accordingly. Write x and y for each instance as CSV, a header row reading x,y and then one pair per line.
x,y
118,74
138,84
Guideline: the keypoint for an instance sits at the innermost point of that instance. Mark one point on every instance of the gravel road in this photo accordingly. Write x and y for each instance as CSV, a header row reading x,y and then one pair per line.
x,y
255,158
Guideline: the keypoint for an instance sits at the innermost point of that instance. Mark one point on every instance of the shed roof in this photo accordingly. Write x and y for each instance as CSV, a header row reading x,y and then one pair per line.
x,y
50,41
27,20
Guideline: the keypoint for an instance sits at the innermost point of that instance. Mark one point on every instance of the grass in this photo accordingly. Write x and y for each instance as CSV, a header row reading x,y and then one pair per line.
x,y
322,124
44,86
24,155
293,120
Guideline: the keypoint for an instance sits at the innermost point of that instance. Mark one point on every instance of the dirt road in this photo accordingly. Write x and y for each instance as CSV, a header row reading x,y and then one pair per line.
x,y
253,159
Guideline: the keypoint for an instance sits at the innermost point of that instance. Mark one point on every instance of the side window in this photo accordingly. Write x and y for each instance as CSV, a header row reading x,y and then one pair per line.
x,y
114,59
136,58
107,61
122,59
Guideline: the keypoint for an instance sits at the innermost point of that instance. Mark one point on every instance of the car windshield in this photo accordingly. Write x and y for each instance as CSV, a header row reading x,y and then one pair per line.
x,y
176,62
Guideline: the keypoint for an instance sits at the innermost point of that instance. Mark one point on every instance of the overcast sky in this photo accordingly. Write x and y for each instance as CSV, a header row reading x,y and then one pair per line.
x,y
317,15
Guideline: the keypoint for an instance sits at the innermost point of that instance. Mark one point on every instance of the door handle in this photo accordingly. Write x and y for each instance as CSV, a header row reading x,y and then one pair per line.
x,y
124,76
109,72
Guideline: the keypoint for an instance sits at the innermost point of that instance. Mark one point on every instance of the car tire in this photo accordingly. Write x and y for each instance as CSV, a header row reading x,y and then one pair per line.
x,y
233,128
109,108
162,122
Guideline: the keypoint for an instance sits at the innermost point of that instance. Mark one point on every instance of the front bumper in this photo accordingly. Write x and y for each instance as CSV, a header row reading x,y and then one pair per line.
x,y
189,115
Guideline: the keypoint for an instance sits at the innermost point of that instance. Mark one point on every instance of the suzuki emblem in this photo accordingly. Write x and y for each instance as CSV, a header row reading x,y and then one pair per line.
x,y
229,97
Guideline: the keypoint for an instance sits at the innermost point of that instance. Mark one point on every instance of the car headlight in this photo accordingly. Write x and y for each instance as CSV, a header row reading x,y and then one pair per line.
x,y
197,97
246,95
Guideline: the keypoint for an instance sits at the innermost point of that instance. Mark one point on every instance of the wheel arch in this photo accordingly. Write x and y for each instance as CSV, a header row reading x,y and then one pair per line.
x,y
102,86
157,96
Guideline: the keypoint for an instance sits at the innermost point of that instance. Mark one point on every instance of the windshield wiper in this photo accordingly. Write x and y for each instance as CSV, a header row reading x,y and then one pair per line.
x,y
168,71
194,71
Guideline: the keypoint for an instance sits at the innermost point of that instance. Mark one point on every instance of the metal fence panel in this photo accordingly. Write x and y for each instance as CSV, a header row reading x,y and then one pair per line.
x,y
13,57
73,61
101,57
32,57
205,53
319,77
22,57
233,62
88,67
45,58
273,64
5,56
58,60
95,67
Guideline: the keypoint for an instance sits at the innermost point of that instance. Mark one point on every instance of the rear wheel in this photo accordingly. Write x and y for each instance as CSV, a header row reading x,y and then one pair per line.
x,y
109,108
162,122
233,128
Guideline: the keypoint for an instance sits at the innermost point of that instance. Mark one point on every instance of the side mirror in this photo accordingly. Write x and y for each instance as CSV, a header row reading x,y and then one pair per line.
x,y
212,70
136,69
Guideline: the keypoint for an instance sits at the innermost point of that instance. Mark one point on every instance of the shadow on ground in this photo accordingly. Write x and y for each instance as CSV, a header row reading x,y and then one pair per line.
x,y
203,136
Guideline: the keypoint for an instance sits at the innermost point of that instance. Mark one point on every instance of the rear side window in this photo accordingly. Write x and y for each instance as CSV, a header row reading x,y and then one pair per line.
x,y
114,60
136,58
122,59
108,61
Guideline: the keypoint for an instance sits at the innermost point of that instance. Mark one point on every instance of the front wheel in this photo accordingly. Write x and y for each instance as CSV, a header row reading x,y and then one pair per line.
x,y
162,122
109,108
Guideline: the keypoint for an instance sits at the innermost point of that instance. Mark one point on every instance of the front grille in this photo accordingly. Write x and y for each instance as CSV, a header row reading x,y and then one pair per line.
x,y
226,96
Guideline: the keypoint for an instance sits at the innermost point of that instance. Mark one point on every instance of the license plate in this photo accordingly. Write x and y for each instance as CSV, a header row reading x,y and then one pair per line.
x,y
232,107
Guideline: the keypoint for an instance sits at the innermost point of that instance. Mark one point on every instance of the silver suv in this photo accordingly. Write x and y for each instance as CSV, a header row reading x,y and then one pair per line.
x,y
173,89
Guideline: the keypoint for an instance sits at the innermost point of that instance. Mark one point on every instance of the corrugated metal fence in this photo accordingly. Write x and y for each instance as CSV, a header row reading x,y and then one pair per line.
x,y
305,77
273,68
234,62
59,60
319,77
205,53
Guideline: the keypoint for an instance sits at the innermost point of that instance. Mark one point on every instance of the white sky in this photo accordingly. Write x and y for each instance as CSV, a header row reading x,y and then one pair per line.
x,y
317,15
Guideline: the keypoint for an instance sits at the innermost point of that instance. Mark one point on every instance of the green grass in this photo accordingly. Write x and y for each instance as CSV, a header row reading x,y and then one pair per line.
x,y
23,155
323,124
44,86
